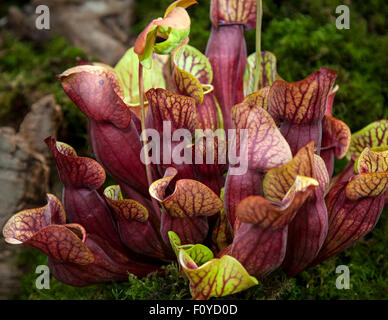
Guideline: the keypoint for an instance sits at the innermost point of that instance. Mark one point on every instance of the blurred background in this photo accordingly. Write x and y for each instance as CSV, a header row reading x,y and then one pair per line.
x,y
301,33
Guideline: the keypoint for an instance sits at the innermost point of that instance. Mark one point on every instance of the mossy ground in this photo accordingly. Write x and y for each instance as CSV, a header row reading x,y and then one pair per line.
x,y
366,260
28,72
303,36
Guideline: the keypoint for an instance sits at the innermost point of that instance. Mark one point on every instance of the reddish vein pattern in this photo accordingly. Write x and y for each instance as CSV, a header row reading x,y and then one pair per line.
x,y
373,135
234,11
348,220
97,92
77,172
189,199
278,181
37,228
303,101
167,106
300,106
257,210
308,230
373,161
336,137
216,278
267,148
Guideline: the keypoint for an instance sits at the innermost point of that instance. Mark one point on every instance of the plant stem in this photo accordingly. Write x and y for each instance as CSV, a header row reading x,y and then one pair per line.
x,y
258,42
144,136
142,121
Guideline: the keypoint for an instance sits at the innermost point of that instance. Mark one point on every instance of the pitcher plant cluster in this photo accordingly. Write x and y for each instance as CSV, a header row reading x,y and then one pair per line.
x,y
227,231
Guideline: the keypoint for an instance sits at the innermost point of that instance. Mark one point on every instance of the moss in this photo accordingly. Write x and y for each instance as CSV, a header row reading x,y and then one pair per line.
x,y
170,286
366,261
28,260
27,72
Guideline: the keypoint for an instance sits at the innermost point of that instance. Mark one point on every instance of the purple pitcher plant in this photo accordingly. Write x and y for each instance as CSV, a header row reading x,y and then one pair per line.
x,y
226,230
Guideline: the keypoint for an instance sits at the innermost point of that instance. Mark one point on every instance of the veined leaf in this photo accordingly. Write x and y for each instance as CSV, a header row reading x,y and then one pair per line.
x,y
192,72
257,210
215,278
299,107
189,199
267,72
234,12
278,181
373,135
198,252
127,72
267,148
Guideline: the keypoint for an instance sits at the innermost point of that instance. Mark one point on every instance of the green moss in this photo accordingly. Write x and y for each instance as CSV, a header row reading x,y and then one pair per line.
x,y
27,72
366,261
28,260
170,286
